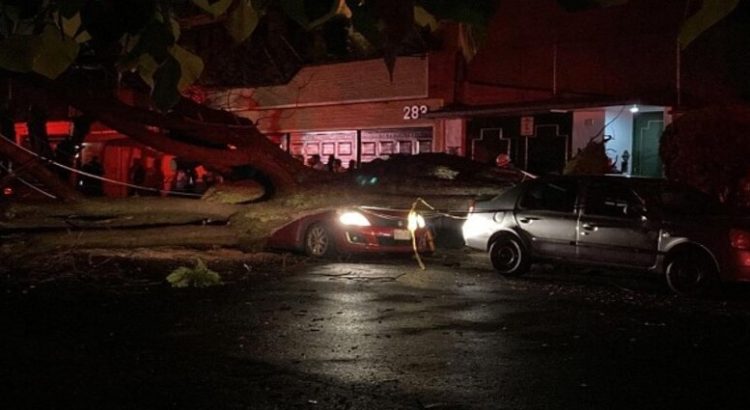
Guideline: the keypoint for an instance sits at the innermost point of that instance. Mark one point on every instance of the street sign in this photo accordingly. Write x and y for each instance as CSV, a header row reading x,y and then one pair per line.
x,y
527,126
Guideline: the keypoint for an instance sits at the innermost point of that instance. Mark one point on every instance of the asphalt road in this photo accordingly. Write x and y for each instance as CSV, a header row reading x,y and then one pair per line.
x,y
375,335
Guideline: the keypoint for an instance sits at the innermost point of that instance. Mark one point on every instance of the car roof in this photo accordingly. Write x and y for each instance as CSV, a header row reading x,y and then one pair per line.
x,y
606,177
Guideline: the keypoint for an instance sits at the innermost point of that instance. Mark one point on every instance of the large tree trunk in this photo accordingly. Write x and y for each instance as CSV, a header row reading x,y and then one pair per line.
x,y
213,138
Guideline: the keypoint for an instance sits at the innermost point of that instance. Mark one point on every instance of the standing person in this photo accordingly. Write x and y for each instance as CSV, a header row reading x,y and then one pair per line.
x,y
65,153
154,178
136,176
331,163
180,181
338,166
315,163
91,185
352,165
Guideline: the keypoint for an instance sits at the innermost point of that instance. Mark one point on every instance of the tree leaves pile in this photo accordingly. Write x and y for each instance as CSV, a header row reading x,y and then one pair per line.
x,y
198,277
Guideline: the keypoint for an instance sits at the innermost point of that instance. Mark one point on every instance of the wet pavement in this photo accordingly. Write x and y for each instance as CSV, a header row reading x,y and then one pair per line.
x,y
375,335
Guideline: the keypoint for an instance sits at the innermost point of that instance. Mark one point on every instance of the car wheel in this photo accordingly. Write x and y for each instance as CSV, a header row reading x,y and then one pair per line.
x,y
509,257
690,273
318,241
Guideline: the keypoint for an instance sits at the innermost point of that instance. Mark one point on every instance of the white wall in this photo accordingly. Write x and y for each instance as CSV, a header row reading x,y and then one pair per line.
x,y
619,121
454,131
586,124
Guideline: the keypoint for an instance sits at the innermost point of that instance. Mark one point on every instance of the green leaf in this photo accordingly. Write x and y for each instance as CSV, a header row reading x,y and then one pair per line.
x,y
69,8
146,67
83,37
242,21
581,5
155,39
191,67
295,9
365,21
174,25
17,53
424,19
70,26
475,12
215,8
710,13
332,9
56,54
166,79
200,276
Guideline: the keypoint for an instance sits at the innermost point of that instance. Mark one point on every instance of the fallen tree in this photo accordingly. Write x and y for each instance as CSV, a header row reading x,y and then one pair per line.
x,y
446,182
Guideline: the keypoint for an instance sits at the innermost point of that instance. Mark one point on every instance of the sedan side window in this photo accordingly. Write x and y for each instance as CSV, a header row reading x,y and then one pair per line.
x,y
557,196
609,200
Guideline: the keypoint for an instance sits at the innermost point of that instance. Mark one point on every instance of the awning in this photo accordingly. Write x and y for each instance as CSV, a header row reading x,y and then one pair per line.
x,y
530,107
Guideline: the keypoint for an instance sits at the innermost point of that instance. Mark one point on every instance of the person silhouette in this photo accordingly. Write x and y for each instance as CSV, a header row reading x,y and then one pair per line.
x,y
91,184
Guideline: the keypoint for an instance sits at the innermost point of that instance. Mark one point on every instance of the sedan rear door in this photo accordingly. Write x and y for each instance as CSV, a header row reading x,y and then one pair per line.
x,y
612,229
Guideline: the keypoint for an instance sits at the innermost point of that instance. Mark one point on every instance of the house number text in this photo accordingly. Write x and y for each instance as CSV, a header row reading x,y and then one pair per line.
x,y
413,112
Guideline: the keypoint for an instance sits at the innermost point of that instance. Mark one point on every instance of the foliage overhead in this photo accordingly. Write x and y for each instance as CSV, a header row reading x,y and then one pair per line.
x,y
709,149
51,37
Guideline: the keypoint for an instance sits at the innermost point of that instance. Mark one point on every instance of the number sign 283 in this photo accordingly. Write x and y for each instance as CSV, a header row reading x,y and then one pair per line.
x,y
413,112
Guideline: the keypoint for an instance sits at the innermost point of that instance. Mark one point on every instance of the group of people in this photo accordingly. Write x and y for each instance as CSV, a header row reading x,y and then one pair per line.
x,y
142,176
333,165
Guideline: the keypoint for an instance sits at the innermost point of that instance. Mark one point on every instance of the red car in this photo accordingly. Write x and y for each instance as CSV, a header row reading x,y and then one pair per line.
x,y
354,230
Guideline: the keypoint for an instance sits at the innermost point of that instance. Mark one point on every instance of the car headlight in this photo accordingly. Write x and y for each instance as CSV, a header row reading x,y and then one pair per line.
x,y
414,221
353,218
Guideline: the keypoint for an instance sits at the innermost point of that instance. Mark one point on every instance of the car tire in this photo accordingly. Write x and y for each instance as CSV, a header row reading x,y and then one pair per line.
x,y
319,241
509,256
691,273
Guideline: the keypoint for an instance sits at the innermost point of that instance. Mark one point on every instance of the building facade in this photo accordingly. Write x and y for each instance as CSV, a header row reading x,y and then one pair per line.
x,y
354,110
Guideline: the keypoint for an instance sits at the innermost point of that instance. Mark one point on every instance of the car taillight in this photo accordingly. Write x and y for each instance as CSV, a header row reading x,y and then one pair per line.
x,y
739,239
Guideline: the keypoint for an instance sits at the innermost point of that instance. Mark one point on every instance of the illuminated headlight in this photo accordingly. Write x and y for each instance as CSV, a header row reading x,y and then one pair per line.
x,y
414,221
353,218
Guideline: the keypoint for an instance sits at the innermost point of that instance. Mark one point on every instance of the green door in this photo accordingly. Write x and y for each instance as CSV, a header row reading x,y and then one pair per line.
x,y
647,130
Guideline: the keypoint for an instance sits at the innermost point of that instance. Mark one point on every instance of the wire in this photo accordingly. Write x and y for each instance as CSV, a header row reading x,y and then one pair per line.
x,y
28,184
99,177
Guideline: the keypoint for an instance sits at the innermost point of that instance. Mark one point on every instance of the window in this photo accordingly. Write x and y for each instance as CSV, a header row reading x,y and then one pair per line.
x,y
386,147
345,148
425,146
610,200
404,147
368,148
329,148
312,148
557,196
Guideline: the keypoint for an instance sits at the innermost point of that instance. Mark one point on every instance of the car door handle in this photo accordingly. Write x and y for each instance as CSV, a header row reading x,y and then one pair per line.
x,y
588,228
528,219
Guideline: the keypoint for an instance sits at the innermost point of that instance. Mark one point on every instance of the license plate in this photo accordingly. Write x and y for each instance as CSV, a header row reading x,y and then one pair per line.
x,y
401,234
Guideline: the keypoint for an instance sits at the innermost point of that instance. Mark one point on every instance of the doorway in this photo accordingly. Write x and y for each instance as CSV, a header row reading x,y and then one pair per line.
x,y
647,130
